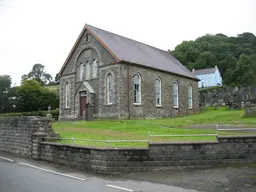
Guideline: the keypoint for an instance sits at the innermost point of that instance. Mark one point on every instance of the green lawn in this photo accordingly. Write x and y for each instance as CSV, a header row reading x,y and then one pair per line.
x,y
138,129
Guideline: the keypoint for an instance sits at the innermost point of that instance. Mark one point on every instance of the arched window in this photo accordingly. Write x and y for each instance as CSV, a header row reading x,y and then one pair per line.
x,y
81,68
137,88
67,94
175,94
158,91
87,71
110,85
190,97
94,69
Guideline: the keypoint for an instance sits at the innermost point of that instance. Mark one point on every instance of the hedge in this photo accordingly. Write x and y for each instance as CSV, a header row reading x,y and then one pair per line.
x,y
55,114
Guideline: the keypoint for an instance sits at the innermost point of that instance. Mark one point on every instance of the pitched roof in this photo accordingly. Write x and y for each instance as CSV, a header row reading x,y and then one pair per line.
x,y
204,71
128,50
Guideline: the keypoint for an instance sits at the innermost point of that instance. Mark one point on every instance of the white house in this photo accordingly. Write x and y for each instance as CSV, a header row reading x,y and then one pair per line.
x,y
209,77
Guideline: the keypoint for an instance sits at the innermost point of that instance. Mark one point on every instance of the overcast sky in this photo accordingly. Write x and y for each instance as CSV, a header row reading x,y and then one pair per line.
x,y
44,31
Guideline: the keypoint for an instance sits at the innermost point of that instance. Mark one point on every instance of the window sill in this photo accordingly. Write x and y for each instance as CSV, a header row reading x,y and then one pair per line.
x,y
190,108
109,104
176,107
159,106
137,104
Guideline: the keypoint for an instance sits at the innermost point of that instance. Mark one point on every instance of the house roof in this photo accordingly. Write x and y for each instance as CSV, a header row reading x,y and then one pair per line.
x,y
128,50
204,71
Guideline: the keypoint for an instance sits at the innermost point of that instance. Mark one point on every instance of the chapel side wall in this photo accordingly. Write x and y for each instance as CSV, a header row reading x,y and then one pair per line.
x,y
148,108
110,110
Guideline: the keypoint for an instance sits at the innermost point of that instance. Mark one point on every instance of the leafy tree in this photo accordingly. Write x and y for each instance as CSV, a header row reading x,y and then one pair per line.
x,y
31,96
57,78
5,85
223,51
205,59
38,74
245,71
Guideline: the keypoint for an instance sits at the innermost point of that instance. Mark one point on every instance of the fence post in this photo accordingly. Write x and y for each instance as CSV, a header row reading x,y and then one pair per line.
x,y
217,131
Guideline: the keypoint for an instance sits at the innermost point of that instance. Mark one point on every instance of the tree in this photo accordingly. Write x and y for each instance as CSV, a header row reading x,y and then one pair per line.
x,y
39,74
5,85
57,78
31,96
245,72
24,78
221,50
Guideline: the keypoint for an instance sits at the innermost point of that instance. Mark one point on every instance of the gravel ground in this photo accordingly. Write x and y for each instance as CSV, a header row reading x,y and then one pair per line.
x,y
218,179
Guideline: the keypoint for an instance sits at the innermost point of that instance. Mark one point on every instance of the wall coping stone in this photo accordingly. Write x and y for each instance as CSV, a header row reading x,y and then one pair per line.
x,y
185,143
94,148
237,137
39,134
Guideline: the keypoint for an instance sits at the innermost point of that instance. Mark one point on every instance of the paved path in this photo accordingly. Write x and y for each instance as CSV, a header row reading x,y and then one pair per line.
x,y
18,174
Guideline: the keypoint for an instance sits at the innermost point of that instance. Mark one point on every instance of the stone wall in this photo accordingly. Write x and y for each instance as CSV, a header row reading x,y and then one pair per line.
x,y
225,95
250,111
95,159
227,150
16,133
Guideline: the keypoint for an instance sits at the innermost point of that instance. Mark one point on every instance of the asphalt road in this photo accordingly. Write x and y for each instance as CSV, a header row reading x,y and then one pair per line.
x,y
23,175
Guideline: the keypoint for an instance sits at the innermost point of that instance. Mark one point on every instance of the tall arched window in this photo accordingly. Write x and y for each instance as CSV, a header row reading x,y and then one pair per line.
x,y
137,88
87,71
94,69
67,94
81,68
190,96
175,94
110,86
158,91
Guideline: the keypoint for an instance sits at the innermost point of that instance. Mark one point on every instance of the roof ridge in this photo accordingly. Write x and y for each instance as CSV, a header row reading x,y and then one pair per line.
x,y
128,38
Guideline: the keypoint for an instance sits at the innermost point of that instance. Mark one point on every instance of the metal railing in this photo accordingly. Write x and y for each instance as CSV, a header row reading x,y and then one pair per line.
x,y
204,135
109,141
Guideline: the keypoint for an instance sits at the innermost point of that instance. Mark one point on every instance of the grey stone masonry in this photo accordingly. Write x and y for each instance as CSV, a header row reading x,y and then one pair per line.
x,y
37,138
16,133
101,160
90,56
250,111
227,150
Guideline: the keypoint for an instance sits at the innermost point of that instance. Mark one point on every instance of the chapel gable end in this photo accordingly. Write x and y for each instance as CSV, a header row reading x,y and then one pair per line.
x,y
87,47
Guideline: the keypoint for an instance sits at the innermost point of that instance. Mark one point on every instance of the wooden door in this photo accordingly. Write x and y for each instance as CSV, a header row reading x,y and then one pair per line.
x,y
83,102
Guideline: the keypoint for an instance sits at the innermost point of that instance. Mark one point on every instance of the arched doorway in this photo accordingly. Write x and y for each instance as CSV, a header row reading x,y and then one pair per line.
x,y
83,101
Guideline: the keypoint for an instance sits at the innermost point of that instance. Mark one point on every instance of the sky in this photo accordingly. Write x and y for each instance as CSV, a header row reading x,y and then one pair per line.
x,y
44,31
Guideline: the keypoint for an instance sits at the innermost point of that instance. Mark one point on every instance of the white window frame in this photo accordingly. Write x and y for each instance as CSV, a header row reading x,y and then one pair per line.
x,y
190,96
137,91
67,94
110,87
160,92
175,94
